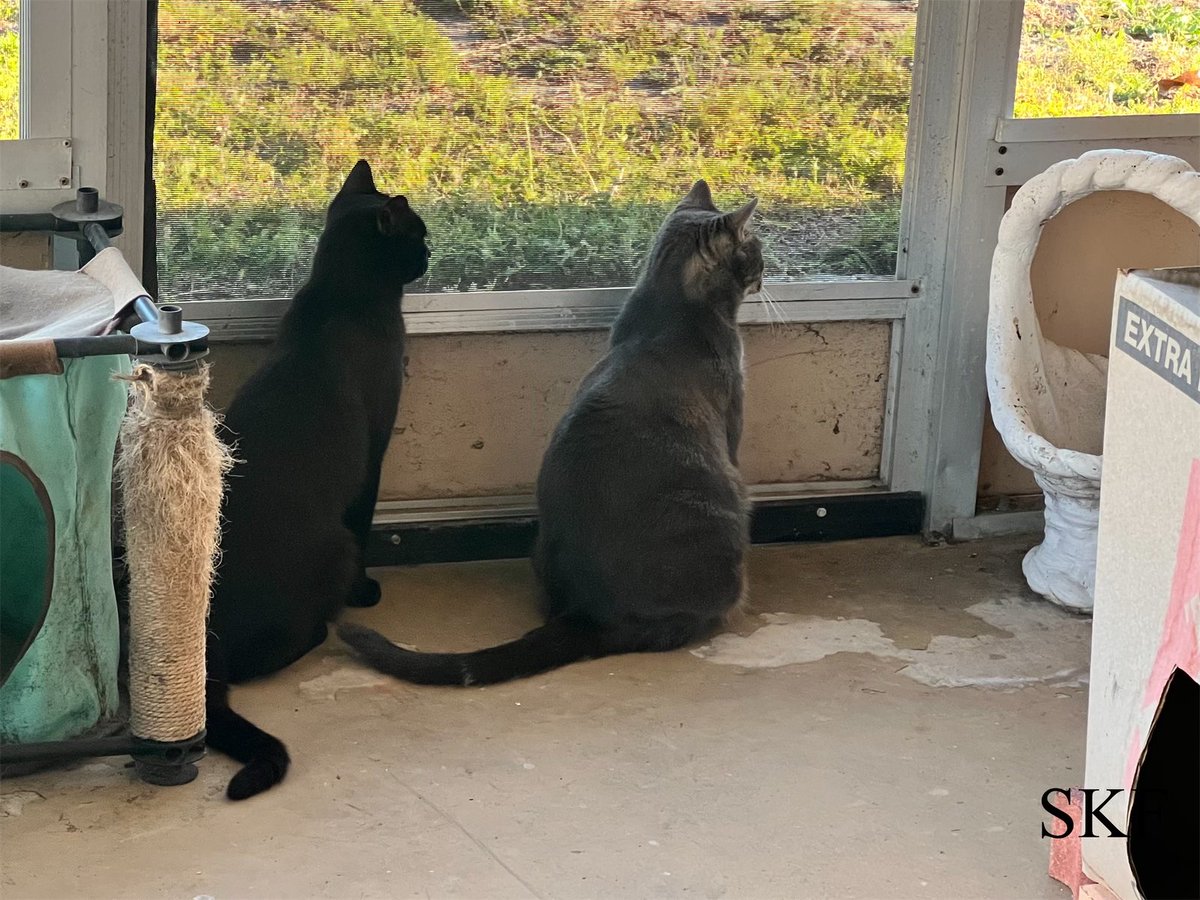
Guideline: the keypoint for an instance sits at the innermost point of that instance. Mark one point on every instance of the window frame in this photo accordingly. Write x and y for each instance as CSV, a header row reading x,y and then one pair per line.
x,y
909,303
63,142
83,89
997,152
1033,145
452,312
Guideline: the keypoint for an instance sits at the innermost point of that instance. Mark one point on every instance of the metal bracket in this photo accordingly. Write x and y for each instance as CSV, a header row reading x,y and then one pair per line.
x,y
178,340
88,207
36,164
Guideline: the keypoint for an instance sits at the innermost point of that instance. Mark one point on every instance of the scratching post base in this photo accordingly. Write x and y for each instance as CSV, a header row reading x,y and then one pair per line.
x,y
168,764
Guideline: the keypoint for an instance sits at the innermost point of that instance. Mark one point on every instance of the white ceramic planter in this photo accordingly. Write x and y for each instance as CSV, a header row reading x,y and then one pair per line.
x,y
1047,400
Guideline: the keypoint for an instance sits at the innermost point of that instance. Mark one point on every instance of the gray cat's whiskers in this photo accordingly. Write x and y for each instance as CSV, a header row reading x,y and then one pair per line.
x,y
775,313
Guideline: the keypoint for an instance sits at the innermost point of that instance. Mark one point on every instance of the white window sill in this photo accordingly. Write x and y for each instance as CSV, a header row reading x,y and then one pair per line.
x,y
584,309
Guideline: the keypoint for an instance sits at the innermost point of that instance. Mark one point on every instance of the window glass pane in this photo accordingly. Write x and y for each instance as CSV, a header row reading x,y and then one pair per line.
x,y
1108,58
10,69
542,142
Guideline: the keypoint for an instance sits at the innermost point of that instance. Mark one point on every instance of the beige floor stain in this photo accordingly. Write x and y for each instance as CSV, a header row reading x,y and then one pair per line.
x,y
645,776
1040,644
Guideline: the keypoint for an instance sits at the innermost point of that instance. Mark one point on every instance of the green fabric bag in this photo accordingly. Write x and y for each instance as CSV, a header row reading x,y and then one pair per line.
x,y
59,639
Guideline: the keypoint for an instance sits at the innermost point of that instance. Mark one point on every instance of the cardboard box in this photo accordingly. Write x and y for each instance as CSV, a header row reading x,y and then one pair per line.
x,y
1147,610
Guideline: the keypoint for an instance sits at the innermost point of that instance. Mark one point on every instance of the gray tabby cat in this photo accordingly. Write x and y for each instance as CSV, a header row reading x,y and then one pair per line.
x,y
643,516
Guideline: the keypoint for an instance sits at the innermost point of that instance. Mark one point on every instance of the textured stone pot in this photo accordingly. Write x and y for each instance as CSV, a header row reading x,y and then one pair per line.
x,y
1047,400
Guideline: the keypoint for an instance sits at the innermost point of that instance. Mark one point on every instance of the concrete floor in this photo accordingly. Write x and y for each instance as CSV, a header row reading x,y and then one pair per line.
x,y
819,751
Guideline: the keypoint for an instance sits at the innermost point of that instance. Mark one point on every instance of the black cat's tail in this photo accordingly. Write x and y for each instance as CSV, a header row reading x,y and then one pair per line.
x,y
264,757
554,644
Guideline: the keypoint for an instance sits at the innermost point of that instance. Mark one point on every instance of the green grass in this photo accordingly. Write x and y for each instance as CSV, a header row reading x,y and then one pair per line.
x,y
870,246
1106,57
543,149
10,66
543,142
476,246
293,93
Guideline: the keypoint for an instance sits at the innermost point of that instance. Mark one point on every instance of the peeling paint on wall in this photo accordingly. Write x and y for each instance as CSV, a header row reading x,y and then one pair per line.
x,y
477,410
815,396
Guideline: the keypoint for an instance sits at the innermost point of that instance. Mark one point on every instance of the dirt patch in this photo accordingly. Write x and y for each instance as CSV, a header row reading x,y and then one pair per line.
x,y
554,51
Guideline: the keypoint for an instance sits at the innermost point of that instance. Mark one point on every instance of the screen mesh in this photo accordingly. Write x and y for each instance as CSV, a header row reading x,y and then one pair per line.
x,y
541,142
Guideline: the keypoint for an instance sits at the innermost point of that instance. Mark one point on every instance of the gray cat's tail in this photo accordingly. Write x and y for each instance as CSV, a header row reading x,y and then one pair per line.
x,y
554,644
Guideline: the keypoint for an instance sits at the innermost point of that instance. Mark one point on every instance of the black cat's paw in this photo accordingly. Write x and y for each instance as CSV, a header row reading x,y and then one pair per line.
x,y
366,592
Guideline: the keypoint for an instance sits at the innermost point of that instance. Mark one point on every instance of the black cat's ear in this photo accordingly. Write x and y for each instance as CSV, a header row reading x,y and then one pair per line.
x,y
393,213
360,180
740,218
699,197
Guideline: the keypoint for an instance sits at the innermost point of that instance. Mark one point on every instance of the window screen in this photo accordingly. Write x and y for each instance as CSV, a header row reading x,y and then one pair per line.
x,y
542,141
1108,58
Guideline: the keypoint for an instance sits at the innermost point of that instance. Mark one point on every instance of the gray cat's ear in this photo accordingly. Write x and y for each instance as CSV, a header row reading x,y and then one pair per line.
x,y
699,197
740,218
360,180
393,213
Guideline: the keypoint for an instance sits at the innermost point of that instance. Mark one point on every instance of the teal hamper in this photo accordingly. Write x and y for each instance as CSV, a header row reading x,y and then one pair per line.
x,y
69,393
59,640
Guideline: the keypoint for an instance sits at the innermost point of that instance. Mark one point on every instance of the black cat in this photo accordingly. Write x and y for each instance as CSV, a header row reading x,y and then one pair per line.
x,y
643,517
311,427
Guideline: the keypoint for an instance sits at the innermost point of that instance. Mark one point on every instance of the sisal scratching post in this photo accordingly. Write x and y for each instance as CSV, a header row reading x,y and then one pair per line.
x,y
171,471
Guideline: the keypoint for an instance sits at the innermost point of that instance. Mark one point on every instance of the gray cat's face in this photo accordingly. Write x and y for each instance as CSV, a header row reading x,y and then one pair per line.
x,y
714,251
